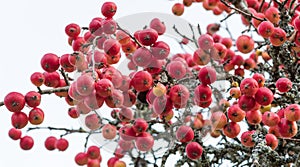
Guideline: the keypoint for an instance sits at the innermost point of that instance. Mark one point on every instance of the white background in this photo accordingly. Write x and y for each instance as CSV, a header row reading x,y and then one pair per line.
x,y
31,28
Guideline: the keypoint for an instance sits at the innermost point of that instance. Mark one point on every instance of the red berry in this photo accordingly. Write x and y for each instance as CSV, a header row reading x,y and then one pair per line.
x,y
14,101
193,150
33,99
284,84
247,138
249,86
19,120
81,159
14,133
37,79
36,116
73,30
184,134
207,75
264,96
50,62
26,143
109,9
62,144
93,152
50,143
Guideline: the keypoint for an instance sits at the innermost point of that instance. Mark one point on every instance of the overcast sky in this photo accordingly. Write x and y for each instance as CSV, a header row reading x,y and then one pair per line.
x,y
31,28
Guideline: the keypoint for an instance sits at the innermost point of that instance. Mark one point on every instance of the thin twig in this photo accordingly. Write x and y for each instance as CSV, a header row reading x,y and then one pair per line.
x,y
132,37
62,71
241,11
194,37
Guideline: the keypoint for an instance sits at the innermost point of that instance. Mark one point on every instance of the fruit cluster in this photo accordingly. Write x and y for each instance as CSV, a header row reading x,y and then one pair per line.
x,y
158,98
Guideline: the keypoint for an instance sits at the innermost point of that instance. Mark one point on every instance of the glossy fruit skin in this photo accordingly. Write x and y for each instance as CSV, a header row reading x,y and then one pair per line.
x,y
116,100
126,114
292,112
278,37
51,79
127,133
158,26
85,84
207,75
37,79
142,57
50,62
93,152
193,150
93,163
73,113
245,44
109,131
147,36
111,161
246,103
270,118
236,114
178,9
81,159
33,99
256,22
159,90
273,15
249,64
264,96
119,163
109,9
160,50
104,87
249,86
227,42
218,52
265,29
19,120
254,117
122,37
14,101
260,79
36,116
287,129
111,47
184,134
247,138
179,94
176,69
140,125
26,143
72,30
78,43
235,93
231,129
271,140
201,57
50,143
205,42
284,84
141,81
202,92
62,144
92,121
15,134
